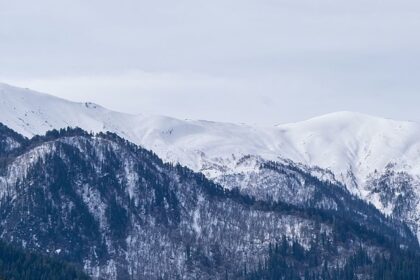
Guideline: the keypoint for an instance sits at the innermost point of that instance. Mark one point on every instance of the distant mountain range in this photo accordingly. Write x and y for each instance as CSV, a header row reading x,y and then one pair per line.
x,y
115,209
152,197
376,159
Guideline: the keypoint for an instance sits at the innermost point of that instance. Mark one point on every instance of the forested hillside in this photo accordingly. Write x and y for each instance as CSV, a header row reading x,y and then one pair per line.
x,y
17,264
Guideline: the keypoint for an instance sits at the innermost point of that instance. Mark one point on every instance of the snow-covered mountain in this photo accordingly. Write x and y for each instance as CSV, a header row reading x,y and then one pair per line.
x,y
358,149
340,141
117,211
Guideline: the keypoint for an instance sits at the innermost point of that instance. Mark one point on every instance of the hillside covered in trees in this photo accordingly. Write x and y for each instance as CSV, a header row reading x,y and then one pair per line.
x,y
17,264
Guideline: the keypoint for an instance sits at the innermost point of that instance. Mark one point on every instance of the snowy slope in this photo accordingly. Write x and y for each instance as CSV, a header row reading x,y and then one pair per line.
x,y
352,145
121,213
338,141
350,141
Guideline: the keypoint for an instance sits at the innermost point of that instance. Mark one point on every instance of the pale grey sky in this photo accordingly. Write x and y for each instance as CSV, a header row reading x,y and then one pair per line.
x,y
254,61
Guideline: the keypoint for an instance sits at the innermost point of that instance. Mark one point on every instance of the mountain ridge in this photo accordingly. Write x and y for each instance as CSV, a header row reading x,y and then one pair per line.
x,y
357,148
119,211
296,141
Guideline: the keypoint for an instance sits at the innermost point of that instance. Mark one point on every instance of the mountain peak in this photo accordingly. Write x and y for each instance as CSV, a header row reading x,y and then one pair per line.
x,y
19,92
347,117
13,92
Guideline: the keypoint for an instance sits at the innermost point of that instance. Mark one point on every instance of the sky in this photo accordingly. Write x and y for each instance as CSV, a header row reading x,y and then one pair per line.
x,y
248,61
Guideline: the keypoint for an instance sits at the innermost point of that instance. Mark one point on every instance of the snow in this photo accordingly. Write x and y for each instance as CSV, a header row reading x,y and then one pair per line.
x,y
340,142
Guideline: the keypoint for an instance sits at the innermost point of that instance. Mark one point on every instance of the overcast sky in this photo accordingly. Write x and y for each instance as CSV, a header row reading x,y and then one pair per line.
x,y
253,61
